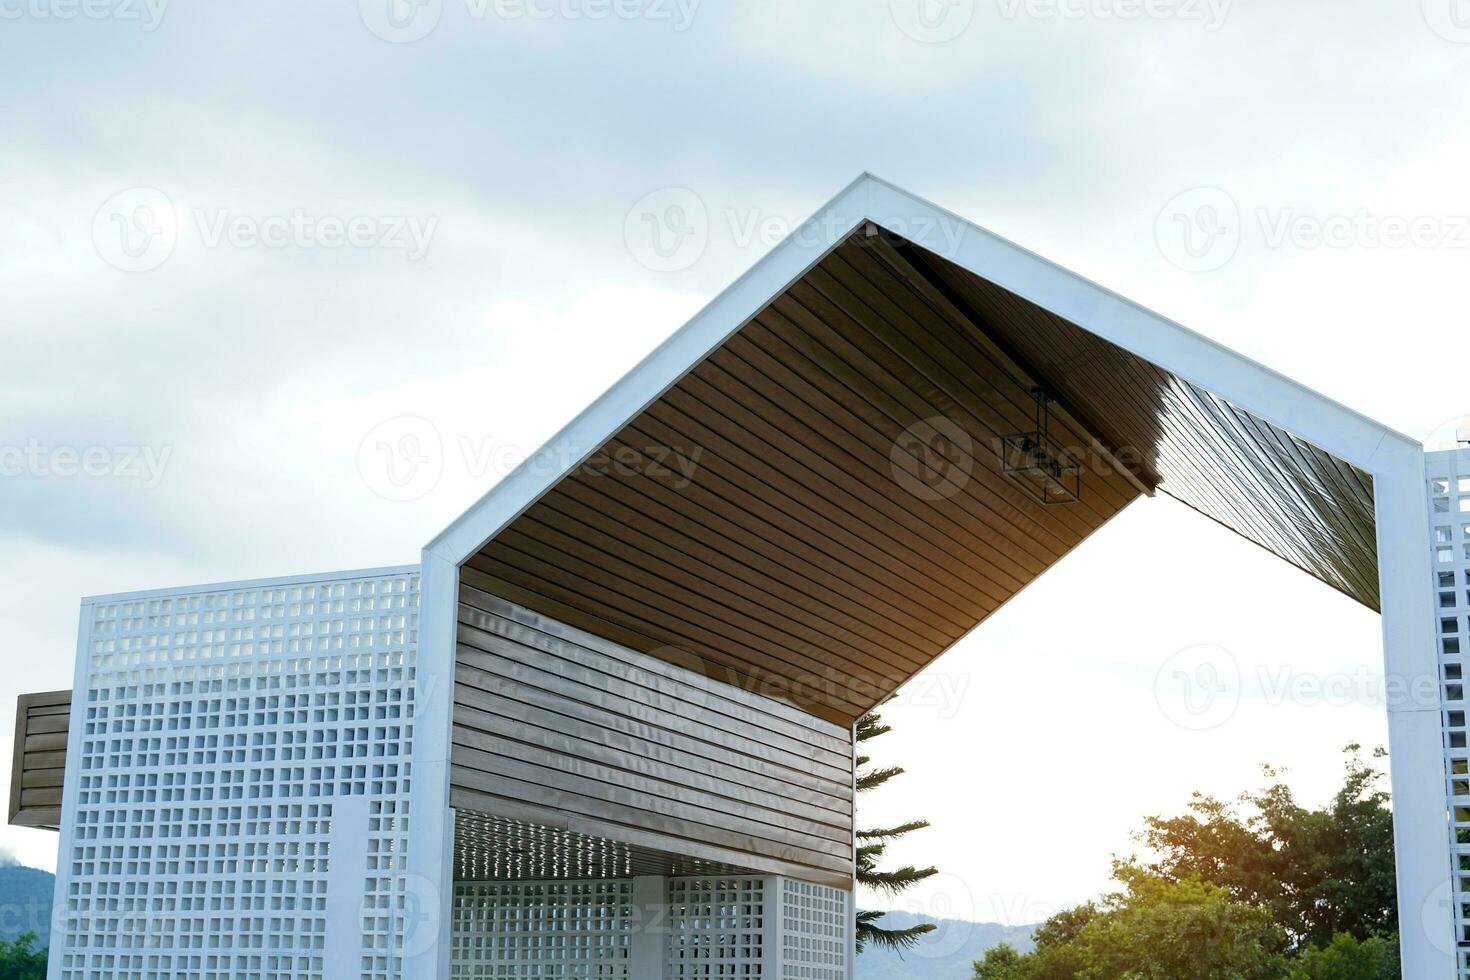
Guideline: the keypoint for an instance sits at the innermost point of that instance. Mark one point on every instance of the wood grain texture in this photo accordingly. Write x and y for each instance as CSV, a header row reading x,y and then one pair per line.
x,y
569,731
761,515
38,766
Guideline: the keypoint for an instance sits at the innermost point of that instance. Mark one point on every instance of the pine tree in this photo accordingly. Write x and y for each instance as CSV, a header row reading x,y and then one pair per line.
x,y
871,844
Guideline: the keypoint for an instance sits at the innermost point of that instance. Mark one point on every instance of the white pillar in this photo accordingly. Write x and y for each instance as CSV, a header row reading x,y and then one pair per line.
x,y
431,827
1420,804
648,946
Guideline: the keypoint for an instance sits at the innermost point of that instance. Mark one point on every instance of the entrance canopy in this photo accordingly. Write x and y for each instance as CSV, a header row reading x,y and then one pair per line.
x,y
880,434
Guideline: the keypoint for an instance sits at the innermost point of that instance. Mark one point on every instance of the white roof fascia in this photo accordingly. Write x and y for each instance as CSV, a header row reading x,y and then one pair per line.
x,y
656,373
1244,383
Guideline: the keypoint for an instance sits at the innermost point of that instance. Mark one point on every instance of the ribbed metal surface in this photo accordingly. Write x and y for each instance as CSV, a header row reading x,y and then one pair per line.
x,y
1291,498
39,761
561,729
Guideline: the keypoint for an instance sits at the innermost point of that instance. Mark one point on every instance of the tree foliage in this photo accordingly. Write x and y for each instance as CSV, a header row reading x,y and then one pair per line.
x,y
1320,872
1151,929
1349,958
21,960
1259,889
871,846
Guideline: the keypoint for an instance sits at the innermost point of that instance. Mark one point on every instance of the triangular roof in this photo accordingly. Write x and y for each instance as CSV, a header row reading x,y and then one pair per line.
x,y
816,550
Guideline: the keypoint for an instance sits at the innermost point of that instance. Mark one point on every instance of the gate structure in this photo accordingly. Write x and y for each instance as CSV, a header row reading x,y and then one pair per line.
x,y
604,729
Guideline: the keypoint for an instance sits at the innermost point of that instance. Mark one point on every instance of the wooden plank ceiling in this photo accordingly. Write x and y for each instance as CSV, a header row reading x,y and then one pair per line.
x,y
818,510
1291,498
770,515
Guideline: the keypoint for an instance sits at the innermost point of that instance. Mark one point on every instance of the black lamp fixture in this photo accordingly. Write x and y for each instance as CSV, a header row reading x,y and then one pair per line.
x,y
1038,465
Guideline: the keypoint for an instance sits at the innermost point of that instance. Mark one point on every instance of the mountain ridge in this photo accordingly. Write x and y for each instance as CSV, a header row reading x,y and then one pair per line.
x,y
25,901
945,954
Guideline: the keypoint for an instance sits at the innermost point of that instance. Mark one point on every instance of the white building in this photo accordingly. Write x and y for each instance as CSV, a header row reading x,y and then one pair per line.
x,y
604,729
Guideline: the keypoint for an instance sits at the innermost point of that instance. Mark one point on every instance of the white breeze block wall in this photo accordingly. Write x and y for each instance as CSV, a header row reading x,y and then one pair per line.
x,y
714,926
236,802
1449,535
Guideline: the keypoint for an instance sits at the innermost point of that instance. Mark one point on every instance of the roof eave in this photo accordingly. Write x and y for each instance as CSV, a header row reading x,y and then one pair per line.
x,y
1250,386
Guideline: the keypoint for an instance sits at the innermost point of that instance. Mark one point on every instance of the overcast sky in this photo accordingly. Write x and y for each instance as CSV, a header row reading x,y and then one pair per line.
x,y
236,241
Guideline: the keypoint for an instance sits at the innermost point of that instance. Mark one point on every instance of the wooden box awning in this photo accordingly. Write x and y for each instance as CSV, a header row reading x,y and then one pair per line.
x,y
36,775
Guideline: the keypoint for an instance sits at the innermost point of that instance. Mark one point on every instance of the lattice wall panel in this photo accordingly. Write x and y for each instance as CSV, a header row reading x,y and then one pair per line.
x,y
559,930
242,783
813,931
709,927
1449,520
717,927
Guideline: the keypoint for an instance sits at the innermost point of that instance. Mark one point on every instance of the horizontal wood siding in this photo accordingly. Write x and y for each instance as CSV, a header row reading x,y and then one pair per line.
x,y
556,726
39,763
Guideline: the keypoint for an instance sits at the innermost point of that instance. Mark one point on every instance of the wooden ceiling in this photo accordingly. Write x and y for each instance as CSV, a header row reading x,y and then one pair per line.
x,y
1301,503
816,510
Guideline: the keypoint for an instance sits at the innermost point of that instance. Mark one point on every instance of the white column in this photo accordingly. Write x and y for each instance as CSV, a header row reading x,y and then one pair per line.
x,y
852,893
648,946
431,827
771,939
76,727
1420,804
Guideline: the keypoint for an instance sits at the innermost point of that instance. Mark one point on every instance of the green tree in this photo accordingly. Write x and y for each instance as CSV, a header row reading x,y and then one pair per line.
x,y
1057,962
1158,929
1261,889
21,960
1151,929
871,845
1349,958
1321,872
